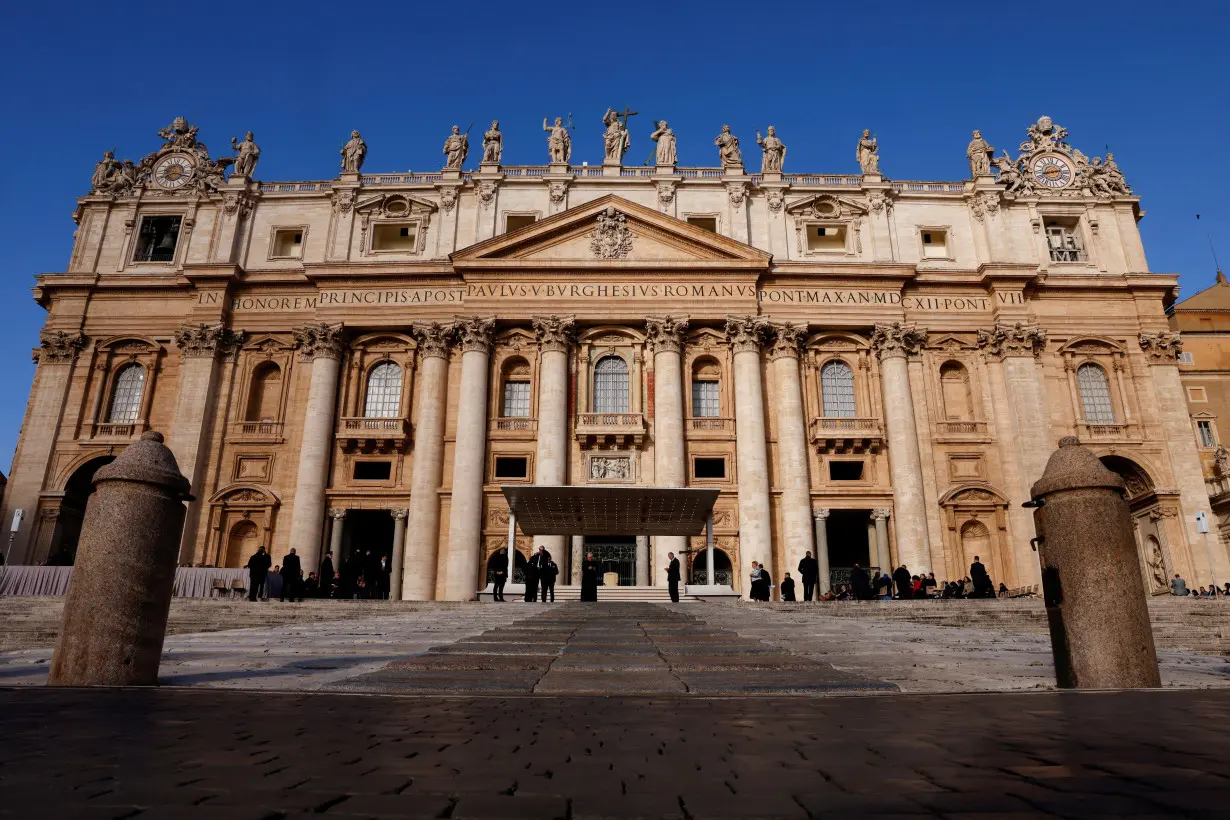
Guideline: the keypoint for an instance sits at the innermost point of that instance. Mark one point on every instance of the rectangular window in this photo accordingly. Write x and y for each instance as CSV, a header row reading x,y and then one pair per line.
x,y
156,239
287,244
395,237
511,467
1205,429
826,238
845,471
935,244
1063,242
1186,357
1197,394
516,400
515,222
705,401
705,223
373,470
708,468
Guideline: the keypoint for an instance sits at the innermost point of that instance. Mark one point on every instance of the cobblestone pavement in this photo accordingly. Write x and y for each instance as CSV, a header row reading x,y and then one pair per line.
x,y
185,754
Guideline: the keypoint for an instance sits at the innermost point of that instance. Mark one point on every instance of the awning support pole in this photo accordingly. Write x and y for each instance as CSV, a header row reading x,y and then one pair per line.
x,y
709,577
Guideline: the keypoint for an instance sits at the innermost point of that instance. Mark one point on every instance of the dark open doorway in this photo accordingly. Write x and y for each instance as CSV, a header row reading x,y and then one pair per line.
x,y
367,537
848,542
77,493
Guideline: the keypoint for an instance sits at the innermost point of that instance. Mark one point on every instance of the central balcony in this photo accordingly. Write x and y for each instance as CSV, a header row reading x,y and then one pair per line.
x,y
254,432
513,427
610,430
847,435
373,435
1087,432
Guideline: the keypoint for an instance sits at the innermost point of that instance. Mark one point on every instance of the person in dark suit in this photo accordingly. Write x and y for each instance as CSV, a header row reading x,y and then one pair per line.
x,y
788,588
292,573
533,572
549,573
809,571
766,584
983,588
258,568
589,578
672,576
326,575
860,583
499,567
901,578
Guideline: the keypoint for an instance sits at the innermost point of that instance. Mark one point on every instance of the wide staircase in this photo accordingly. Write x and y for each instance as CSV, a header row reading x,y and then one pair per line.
x,y
613,593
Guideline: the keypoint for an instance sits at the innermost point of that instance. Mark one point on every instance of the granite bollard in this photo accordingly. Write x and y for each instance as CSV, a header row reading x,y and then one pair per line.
x,y
1095,596
115,615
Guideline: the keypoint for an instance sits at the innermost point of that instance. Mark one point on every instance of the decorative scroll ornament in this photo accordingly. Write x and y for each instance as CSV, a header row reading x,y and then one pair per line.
x,y
486,193
896,340
1048,166
1013,340
666,194
343,200
554,332
1162,347
612,238
737,191
557,191
746,333
775,197
58,347
319,340
984,203
787,340
202,340
448,197
434,339
475,334
665,333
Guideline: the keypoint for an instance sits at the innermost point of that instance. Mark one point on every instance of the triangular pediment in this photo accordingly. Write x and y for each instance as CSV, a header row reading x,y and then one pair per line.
x,y
611,231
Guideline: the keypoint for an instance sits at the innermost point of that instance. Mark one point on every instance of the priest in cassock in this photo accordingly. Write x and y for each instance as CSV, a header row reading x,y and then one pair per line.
x,y
589,578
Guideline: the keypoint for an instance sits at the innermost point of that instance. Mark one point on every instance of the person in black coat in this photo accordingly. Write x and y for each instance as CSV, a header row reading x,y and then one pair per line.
x,y
809,571
589,578
860,584
983,588
258,567
499,568
533,572
326,575
672,576
788,588
905,585
549,573
292,573
766,584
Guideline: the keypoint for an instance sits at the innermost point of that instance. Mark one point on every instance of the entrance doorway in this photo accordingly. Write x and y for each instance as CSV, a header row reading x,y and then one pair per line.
x,y
849,543
614,553
519,564
77,492
366,538
721,567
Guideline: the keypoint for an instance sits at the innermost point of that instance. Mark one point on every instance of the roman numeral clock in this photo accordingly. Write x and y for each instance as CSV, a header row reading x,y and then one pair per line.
x,y
174,171
1051,171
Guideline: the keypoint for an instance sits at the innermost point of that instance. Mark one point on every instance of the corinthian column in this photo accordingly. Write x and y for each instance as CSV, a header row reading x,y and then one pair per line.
x,y
55,356
551,459
200,347
893,343
423,542
791,443
665,334
466,512
320,344
755,539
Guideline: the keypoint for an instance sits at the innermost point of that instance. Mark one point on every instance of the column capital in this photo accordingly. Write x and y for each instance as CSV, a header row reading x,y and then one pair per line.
x,y
788,340
880,514
58,347
475,333
337,513
820,514
319,340
1018,339
1162,347
555,333
202,341
400,515
898,340
665,333
434,339
745,334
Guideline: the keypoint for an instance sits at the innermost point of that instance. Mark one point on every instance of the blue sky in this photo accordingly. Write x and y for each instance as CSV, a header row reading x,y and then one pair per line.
x,y
1150,80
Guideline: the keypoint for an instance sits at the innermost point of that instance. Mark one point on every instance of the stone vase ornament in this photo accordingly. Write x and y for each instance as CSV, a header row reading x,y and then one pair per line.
x,y
1095,596
115,615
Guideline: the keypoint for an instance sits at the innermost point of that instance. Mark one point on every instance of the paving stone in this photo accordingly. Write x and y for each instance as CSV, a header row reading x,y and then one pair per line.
x,y
571,681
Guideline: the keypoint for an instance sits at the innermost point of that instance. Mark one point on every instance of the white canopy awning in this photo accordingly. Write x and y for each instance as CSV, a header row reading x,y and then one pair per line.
x,y
546,510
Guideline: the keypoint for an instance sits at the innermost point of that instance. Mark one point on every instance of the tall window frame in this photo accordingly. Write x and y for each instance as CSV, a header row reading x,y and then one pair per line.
x,y
1093,387
382,397
837,396
127,391
515,401
611,385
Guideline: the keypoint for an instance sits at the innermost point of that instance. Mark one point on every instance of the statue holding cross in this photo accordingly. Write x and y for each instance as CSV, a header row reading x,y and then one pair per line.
x,y
616,138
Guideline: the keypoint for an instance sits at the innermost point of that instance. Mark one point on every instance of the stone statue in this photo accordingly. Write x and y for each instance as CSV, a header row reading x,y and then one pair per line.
x,y
353,153
665,138
774,152
979,153
1010,175
559,144
868,153
456,148
1221,461
616,138
103,172
493,143
728,149
246,155
1114,177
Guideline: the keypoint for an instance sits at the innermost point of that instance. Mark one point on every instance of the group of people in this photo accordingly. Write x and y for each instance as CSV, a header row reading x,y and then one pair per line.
x,y
865,586
365,575
1179,587
540,574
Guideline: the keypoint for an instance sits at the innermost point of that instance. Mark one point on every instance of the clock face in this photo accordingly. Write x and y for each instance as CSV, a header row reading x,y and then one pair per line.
x,y
1052,171
173,171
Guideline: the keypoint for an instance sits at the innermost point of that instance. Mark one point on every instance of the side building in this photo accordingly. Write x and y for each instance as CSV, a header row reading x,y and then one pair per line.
x,y
870,369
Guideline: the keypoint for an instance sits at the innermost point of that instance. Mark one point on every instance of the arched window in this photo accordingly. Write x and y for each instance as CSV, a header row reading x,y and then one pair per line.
x,y
954,385
1095,394
611,385
126,395
383,392
266,393
515,397
706,390
837,390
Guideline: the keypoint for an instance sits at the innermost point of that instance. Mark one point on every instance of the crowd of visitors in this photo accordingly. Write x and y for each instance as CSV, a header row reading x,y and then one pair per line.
x,y
1179,587
365,576
872,586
